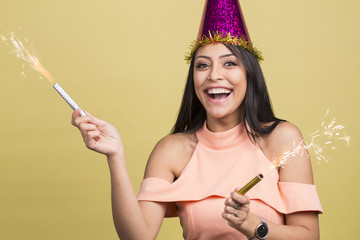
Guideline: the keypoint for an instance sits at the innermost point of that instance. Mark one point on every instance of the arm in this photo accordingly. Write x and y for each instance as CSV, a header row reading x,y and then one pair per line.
x,y
300,225
132,219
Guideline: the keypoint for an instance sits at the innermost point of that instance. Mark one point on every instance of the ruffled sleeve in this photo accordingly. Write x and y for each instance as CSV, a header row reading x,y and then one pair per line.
x,y
287,198
156,190
298,197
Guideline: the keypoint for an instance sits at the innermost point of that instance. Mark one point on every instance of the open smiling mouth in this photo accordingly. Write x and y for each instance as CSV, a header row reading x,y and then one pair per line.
x,y
218,93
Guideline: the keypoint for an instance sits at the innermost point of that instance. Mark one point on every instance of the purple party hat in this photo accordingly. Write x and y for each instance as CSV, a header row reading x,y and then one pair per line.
x,y
223,22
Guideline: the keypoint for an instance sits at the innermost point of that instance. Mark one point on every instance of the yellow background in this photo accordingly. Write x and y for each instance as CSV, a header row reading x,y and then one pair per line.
x,y
123,62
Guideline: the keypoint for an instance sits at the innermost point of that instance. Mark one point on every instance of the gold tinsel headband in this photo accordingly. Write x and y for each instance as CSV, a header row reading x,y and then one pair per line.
x,y
217,38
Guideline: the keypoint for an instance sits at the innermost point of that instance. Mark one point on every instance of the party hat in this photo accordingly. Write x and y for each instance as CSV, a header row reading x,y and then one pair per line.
x,y
223,22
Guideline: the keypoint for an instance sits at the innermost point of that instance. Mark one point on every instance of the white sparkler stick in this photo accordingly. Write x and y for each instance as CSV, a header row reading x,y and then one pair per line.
x,y
68,99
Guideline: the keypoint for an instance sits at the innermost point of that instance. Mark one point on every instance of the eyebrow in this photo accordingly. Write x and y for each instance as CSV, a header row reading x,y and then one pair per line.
x,y
222,56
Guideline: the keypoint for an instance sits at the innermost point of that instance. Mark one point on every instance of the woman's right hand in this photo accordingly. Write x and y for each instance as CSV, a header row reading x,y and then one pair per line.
x,y
98,135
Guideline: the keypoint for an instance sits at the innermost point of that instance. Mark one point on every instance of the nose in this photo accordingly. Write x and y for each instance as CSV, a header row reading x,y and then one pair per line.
x,y
215,73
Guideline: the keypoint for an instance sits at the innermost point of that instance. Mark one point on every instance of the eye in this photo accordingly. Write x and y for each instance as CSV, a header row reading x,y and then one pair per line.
x,y
202,65
230,63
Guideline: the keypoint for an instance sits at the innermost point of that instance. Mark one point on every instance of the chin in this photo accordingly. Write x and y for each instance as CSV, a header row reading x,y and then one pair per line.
x,y
218,115
222,113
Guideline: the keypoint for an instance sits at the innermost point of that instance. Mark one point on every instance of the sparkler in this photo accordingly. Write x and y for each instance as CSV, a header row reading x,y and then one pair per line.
x,y
68,99
250,184
28,54
321,140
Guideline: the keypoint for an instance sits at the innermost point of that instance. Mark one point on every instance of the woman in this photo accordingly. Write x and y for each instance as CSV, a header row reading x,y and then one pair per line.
x,y
225,133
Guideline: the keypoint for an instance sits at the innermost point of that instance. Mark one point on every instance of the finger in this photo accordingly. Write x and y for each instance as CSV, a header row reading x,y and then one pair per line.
x,y
231,210
233,204
235,218
88,114
95,120
87,127
74,115
230,202
241,199
93,134
229,217
85,119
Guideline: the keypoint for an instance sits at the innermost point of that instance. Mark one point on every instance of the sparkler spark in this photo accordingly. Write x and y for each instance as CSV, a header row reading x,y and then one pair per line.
x,y
322,140
25,51
28,54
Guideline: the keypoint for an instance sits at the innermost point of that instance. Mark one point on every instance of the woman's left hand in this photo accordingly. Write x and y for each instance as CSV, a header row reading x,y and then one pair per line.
x,y
236,209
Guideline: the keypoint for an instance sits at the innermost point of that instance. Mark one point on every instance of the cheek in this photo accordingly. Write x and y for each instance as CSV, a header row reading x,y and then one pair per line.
x,y
198,83
242,83
244,87
198,93
241,88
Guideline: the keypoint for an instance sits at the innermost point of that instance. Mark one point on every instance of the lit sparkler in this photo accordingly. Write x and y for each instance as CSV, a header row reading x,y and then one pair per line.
x,y
321,140
28,55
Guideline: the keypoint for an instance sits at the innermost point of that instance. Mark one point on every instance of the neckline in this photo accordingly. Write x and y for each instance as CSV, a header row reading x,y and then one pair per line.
x,y
222,140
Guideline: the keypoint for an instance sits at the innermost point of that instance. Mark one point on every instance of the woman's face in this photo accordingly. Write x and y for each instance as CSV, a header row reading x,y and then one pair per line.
x,y
220,82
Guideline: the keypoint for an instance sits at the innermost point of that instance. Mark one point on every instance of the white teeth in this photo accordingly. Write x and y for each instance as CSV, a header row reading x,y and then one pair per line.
x,y
218,91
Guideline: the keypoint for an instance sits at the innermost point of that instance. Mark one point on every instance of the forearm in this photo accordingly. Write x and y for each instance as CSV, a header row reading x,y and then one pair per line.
x,y
129,220
283,232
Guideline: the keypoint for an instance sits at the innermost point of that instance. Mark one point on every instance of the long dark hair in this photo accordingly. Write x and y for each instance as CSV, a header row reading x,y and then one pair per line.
x,y
257,108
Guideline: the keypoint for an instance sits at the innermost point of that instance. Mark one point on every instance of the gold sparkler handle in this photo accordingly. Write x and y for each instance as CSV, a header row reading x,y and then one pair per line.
x,y
251,184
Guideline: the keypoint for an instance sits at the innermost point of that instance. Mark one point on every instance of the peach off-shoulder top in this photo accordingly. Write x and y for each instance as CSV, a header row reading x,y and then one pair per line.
x,y
220,163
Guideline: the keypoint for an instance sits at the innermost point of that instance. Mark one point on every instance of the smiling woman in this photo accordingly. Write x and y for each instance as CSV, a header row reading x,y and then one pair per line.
x,y
227,122
252,102
225,134
123,61
220,83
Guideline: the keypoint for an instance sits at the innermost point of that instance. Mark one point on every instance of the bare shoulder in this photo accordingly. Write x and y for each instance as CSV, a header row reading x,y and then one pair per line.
x,y
280,139
283,135
170,155
286,137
